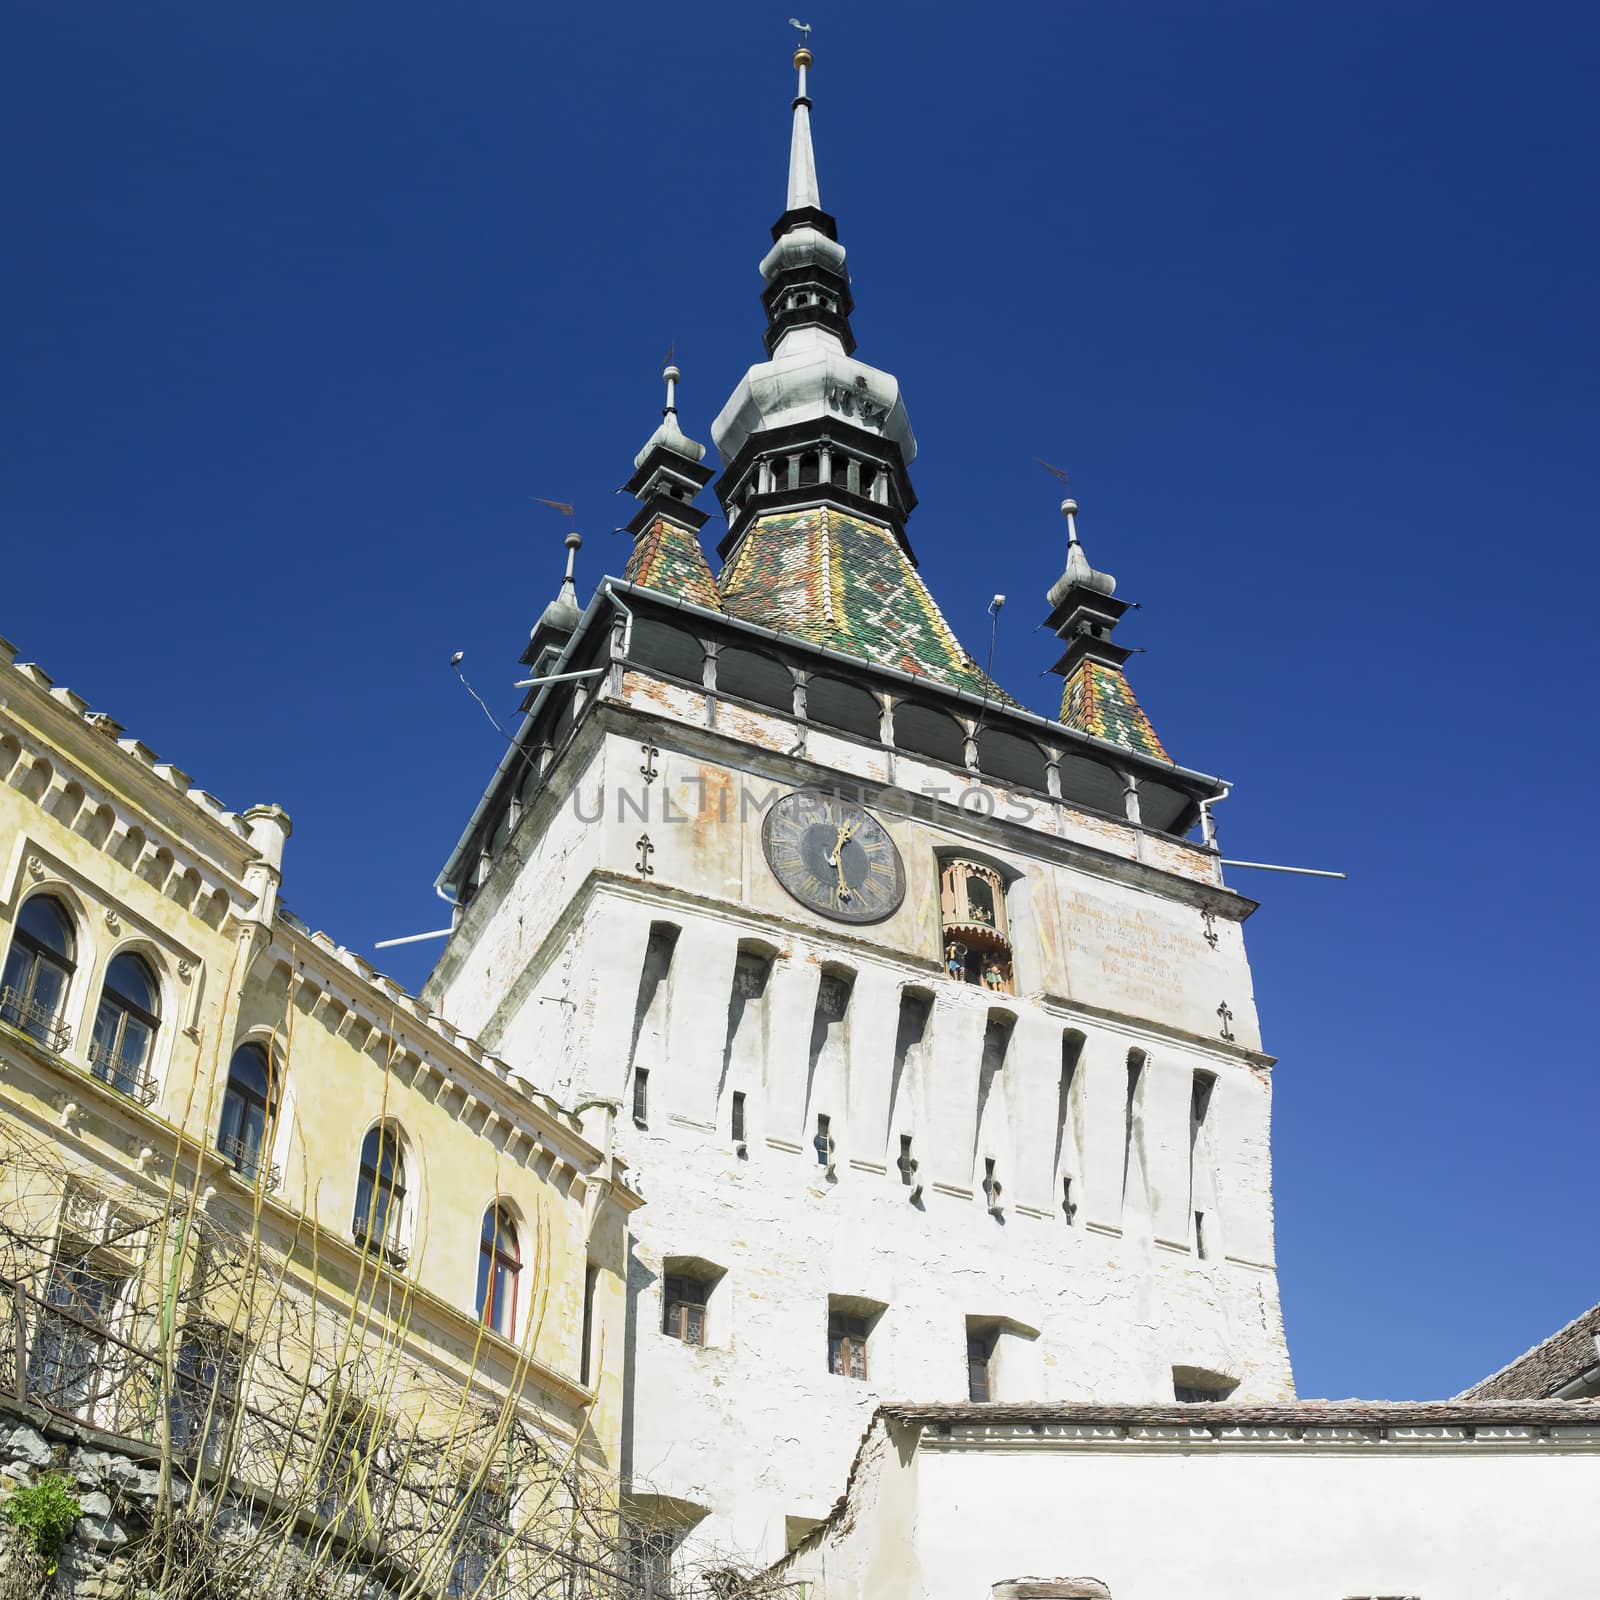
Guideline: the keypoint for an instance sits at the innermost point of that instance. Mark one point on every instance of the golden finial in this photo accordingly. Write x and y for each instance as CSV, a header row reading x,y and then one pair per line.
x,y
802,54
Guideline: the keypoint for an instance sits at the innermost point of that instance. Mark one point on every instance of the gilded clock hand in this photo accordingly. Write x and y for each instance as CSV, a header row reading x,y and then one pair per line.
x,y
838,844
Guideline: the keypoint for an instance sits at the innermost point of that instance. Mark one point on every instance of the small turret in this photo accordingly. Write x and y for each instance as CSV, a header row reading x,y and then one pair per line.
x,y
667,475
1084,613
557,622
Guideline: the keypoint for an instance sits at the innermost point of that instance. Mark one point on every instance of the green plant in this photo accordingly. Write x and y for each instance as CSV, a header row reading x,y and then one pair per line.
x,y
44,1514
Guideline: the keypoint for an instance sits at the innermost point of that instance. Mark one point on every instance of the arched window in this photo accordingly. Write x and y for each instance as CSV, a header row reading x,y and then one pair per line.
x,y
125,1027
39,966
249,1107
381,1193
498,1265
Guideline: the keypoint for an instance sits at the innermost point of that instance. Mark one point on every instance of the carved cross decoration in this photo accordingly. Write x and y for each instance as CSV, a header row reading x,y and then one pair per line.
x,y
1211,926
1227,1018
646,850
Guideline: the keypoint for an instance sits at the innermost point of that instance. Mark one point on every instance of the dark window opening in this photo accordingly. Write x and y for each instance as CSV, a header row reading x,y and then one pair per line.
x,y
823,1143
591,1281
847,1345
991,1185
738,1116
641,1096
684,1314
907,1162
980,1353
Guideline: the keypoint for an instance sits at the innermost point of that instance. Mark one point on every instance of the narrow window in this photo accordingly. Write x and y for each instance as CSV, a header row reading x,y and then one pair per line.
x,y
499,1262
1136,1059
991,1185
1069,1206
847,1345
381,1194
39,967
205,1394
684,1314
980,1353
1201,1246
247,1111
907,1162
591,1280
823,1143
124,1027
738,1116
641,1097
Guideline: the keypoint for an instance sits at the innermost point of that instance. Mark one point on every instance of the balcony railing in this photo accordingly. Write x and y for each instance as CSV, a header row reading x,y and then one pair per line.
x,y
34,1020
391,1251
122,1075
249,1162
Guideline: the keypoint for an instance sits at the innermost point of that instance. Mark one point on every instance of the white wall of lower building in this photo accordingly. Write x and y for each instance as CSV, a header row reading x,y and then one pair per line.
x,y
1259,1516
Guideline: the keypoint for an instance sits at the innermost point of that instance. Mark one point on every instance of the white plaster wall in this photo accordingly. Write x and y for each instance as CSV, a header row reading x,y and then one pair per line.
x,y
1289,1521
754,1427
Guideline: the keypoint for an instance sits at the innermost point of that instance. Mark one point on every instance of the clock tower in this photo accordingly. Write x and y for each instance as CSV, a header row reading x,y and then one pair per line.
x,y
929,1017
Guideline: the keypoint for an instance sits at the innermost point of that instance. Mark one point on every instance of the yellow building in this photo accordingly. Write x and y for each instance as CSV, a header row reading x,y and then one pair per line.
x,y
256,1199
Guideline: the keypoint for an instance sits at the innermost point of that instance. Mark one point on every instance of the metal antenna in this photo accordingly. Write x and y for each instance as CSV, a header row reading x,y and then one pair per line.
x,y
455,662
1055,470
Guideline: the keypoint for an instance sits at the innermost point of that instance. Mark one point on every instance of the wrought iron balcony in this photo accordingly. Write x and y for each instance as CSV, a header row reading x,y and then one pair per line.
x,y
391,1251
34,1020
122,1075
249,1162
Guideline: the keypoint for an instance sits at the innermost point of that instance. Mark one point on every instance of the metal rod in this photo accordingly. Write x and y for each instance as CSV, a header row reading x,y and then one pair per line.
x,y
556,677
1304,872
413,938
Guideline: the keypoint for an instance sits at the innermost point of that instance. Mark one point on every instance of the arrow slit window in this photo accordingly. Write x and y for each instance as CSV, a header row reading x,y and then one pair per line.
x,y
973,923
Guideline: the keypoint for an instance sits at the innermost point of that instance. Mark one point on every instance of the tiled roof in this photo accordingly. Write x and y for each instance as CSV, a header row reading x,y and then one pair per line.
x,y
842,581
1567,1354
1097,700
1287,1414
668,557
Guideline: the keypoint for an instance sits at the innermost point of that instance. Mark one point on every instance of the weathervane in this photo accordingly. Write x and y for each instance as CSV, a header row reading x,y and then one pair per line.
x,y
805,32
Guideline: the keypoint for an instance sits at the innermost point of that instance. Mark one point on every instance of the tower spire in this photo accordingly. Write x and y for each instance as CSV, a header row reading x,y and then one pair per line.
x,y
803,192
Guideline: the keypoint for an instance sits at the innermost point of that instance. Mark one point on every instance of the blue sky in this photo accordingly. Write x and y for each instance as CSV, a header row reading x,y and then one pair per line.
x,y
304,302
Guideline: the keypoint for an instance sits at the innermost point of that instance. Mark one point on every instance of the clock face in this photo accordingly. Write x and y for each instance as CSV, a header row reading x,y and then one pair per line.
x,y
833,857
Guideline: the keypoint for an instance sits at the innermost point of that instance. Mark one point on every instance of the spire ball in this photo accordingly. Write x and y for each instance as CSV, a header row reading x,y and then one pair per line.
x,y
802,57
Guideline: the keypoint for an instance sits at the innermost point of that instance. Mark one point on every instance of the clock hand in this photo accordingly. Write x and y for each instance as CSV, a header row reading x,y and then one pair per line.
x,y
838,845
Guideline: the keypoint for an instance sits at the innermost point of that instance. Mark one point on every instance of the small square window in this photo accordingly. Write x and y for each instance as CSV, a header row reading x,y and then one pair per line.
x,y
684,1314
847,1345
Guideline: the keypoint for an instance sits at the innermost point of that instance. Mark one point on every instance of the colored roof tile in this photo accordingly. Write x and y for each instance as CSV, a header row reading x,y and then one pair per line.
x,y
668,557
1097,700
847,583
